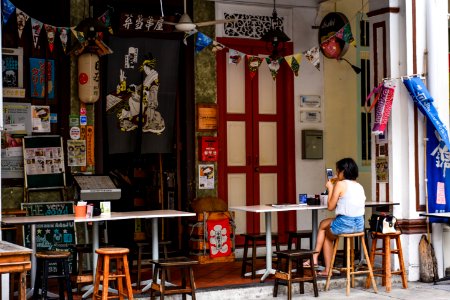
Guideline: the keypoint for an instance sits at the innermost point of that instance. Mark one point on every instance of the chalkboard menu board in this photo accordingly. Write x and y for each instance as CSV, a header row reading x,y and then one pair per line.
x,y
59,236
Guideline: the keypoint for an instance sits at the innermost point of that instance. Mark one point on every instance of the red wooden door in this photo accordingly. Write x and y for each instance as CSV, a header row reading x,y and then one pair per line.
x,y
256,136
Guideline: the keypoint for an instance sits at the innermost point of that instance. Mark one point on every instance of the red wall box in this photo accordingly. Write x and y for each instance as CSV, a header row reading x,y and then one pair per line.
x,y
207,148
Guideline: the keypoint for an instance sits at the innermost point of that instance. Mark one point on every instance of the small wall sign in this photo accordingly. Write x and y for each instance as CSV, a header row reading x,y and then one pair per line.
x,y
206,117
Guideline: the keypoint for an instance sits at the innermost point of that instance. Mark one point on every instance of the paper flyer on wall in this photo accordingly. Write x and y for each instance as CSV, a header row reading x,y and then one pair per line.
x,y
206,177
46,160
40,118
76,153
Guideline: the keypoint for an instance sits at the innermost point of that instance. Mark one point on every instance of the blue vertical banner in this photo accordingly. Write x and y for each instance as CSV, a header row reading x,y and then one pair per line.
x,y
438,173
437,149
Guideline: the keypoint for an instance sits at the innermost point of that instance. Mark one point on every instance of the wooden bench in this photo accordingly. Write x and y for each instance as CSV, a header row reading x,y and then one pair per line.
x,y
15,259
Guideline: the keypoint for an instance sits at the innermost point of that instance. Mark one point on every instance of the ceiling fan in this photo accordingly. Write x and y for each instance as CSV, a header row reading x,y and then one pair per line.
x,y
186,24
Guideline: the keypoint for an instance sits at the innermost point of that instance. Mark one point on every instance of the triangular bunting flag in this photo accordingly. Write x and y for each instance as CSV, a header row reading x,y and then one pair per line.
x,y
294,62
78,34
22,19
217,46
51,32
105,18
188,34
36,27
312,55
253,64
235,56
202,42
340,33
274,66
63,36
348,36
7,10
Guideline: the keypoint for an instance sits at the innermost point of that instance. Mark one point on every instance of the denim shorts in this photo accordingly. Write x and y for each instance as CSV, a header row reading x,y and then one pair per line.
x,y
343,224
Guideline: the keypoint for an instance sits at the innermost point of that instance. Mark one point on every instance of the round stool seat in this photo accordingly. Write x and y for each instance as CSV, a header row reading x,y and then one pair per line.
x,y
112,251
356,234
52,254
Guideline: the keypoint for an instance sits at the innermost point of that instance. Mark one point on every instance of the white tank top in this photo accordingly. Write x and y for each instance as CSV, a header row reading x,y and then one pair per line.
x,y
352,203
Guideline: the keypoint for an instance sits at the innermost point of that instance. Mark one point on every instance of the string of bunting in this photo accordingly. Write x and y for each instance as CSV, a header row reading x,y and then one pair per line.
x,y
8,8
254,62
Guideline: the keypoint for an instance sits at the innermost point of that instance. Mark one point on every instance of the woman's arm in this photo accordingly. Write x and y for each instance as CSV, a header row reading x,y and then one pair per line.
x,y
334,192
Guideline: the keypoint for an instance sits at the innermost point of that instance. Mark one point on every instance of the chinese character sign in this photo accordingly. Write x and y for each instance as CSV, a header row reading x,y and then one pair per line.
x,y
438,173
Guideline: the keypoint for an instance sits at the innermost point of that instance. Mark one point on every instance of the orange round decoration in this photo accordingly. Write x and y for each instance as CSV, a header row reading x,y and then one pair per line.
x,y
330,45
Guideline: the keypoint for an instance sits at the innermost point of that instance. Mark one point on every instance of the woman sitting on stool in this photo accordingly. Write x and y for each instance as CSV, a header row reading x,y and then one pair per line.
x,y
348,198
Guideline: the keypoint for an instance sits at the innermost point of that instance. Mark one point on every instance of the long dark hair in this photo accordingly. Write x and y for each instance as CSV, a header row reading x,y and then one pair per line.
x,y
349,167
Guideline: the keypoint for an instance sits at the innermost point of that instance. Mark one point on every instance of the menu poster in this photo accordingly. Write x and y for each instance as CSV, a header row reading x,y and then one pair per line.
x,y
382,169
76,153
206,176
40,161
40,118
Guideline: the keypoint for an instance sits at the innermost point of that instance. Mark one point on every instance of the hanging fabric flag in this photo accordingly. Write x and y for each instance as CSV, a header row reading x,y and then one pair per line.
x,y
312,55
274,66
438,173
36,27
105,18
51,32
422,98
235,56
63,36
202,42
340,33
7,9
217,46
188,34
348,36
294,62
253,64
78,34
383,107
22,19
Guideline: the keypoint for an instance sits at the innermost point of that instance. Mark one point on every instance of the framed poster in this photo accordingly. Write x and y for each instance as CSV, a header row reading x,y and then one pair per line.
x,y
206,117
206,176
12,71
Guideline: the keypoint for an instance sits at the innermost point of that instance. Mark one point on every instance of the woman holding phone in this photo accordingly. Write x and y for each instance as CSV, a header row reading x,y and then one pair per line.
x,y
346,196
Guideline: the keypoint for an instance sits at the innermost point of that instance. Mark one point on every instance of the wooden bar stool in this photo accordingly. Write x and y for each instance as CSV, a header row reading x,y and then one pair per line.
x,y
350,264
43,260
105,255
183,264
251,240
298,235
286,276
385,252
143,248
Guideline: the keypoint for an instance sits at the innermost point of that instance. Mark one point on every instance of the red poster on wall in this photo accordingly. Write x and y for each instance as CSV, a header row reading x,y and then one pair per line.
x,y
219,237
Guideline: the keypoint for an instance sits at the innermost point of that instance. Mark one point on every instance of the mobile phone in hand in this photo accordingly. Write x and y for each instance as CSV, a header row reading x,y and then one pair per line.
x,y
329,173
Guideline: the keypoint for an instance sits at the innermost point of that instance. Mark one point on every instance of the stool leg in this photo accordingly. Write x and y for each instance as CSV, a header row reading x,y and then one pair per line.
x,y
275,284
139,262
23,286
105,286
289,281
387,266
163,283
244,258
289,245
38,280
192,281
348,267
372,259
154,282
352,261
59,271
369,265
254,258
127,278
300,272
44,280
330,271
183,281
67,276
313,272
401,262
120,271
97,276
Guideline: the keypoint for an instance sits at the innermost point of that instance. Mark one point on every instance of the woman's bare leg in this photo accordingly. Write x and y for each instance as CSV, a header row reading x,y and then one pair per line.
x,y
321,237
328,249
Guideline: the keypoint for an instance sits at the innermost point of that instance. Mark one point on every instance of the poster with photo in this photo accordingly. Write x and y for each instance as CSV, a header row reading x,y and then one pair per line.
x,y
382,169
76,153
40,118
39,161
206,176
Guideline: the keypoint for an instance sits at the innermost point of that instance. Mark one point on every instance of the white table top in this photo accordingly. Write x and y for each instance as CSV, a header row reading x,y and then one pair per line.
x,y
436,215
147,214
269,208
375,203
